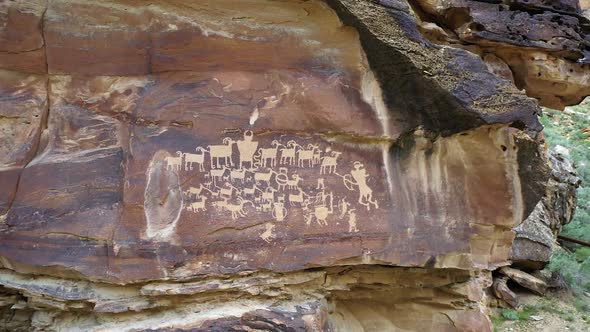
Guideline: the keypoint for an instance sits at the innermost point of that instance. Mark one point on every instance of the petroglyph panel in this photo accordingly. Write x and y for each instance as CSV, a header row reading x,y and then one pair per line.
x,y
284,180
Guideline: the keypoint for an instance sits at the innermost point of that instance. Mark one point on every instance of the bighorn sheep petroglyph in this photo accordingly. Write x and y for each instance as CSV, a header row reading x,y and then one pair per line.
x,y
307,155
268,155
288,153
221,152
329,163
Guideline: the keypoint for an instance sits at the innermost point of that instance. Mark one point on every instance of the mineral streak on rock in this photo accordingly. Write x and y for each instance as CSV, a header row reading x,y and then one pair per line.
x,y
206,165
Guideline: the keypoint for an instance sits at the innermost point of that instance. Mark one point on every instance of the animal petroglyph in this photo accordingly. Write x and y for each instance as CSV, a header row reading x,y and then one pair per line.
x,y
288,153
268,156
174,163
330,162
270,180
219,153
192,158
198,205
307,156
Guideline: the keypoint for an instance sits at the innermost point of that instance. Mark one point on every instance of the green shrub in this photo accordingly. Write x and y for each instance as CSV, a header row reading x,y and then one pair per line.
x,y
566,129
509,314
573,272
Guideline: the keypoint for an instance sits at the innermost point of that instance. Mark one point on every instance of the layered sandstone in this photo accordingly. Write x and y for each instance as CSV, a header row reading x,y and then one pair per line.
x,y
293,165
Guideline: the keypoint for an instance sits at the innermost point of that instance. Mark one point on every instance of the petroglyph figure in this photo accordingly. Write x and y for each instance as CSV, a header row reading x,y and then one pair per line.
x,y
321,210
198,205
359,179
279,212
306,156
352,221
192,191
269,194
283,180
237,210
321,185
247,148
268,156
221,152
329,163
163,198
237,174
343,206
192,158
288,153
260,177
217,174
174,163
267,235
272,192
297,198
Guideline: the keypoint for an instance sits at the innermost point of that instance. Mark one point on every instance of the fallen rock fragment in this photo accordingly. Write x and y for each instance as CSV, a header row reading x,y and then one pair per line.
x,y
526,280
502,292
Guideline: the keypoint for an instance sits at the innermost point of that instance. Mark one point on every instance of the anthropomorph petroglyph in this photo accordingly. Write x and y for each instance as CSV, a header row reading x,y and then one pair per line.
x,y
247,148
358,177
272,180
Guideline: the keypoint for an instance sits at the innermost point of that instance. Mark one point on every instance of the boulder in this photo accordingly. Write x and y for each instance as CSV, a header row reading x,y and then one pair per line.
x,y
536,235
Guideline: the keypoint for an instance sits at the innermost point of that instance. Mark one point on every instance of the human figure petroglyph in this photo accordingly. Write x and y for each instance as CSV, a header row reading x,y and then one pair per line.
x,y
358,177
221,152
323,207
343,206
352,221
247,148
288,153
192,158
317,157
330,162
321,185
174,163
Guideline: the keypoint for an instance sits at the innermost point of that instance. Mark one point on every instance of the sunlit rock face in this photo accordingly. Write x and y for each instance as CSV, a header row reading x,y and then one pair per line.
x,y
240,160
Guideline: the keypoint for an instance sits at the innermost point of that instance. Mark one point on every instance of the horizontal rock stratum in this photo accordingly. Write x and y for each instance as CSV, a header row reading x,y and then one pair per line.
x,y
271,165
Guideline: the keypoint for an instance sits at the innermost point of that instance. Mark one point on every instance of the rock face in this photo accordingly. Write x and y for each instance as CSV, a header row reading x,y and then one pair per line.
x,y
296,165
536,235
542,45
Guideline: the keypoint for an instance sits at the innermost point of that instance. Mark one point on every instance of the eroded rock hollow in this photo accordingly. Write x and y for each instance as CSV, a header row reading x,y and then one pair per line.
x,y
271,165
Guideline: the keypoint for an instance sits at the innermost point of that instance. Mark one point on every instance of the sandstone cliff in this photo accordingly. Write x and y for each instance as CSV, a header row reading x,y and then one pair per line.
x,y
271,165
